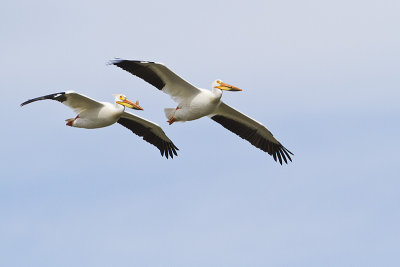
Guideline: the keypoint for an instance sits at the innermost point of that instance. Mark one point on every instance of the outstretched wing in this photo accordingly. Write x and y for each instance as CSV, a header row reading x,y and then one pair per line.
x,y
158,75
150,132
251,130
71,99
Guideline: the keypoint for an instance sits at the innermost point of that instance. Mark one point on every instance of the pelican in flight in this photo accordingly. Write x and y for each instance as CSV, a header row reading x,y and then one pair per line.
x,y
194,103
92,114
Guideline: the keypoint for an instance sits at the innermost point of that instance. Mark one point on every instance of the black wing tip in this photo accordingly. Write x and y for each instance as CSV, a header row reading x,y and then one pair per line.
x,y
275,149
141,70
279,156
119,61
29,101
55,96
287,150
166,147
168,150
282,153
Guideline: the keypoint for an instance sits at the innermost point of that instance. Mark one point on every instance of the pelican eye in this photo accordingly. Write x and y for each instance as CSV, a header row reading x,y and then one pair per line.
x,y
122,97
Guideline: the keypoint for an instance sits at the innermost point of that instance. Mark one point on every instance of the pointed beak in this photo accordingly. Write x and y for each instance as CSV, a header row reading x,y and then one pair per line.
x,y
227,87
130,104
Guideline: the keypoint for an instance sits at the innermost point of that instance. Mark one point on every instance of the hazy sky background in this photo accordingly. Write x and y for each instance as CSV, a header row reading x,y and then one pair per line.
x,y
323,76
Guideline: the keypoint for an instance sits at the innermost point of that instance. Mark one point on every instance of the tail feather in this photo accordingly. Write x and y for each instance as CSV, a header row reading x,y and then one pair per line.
x,y
169,112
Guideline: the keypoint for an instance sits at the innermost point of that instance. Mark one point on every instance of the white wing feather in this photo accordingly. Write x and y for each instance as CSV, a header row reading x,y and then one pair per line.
x,y
80,102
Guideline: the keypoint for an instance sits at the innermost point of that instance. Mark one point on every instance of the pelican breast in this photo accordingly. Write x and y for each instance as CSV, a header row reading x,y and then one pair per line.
x,y
198,106
103,116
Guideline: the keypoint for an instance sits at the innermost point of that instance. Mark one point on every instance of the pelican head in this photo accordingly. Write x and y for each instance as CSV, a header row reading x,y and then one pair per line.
x,y
224,86
122,100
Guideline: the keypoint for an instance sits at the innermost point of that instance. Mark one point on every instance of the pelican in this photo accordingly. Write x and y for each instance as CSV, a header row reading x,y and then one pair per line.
x,y
194,103
92,114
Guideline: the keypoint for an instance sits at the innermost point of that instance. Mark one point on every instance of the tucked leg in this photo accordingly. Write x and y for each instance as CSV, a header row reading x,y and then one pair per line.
x,y
172,119
70,122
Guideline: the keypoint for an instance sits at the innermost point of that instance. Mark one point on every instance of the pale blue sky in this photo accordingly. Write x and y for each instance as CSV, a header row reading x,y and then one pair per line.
x,y
323,76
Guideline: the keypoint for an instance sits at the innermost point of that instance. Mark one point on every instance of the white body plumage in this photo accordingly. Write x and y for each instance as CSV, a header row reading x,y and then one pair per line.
x,y
92,114
194,103
100,117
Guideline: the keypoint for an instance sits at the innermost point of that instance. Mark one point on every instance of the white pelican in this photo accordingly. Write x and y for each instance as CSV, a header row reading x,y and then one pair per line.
x,y
93,114
194,103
